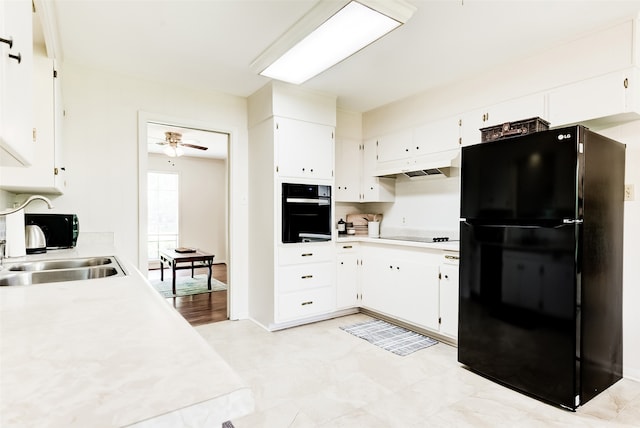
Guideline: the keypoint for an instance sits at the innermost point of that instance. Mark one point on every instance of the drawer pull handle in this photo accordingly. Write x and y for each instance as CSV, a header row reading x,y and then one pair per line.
x,y
347,246
306,277
8,41
452,257
16,57
310,302
307,254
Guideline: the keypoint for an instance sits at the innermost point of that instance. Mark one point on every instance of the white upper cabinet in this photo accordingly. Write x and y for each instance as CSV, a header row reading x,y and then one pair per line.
x,y
47,172
348,170
355,168
305,149
394,147
374,189
439,135
608,98
509,111
16,64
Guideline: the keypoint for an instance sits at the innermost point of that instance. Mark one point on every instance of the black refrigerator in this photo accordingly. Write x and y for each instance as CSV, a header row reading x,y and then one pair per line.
x,y
541,233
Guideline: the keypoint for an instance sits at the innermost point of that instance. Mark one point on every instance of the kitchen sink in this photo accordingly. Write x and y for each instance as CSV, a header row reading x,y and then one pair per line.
x,y
47,271
61,264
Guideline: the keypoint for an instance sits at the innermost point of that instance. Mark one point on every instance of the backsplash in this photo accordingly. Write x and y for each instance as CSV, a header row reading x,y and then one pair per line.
x,y
422,205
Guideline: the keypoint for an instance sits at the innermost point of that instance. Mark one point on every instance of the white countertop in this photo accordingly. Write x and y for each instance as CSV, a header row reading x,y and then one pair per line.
x,y
107,352
446,246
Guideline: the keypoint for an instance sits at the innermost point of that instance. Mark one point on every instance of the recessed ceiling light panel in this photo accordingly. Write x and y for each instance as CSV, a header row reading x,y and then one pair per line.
x,y
313,49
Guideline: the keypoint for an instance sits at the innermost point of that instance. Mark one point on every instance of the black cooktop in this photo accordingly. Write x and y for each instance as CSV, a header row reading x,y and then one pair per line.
x,y
419,238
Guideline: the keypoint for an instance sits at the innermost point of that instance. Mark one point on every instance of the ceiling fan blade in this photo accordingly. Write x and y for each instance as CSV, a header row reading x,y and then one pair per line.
x,y
161,143
193,146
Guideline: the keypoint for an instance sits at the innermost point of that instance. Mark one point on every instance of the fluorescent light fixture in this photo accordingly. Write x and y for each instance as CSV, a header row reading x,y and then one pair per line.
x,y
326,36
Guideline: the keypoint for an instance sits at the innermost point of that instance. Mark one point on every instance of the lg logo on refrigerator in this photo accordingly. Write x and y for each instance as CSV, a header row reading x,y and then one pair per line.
x,y
563,136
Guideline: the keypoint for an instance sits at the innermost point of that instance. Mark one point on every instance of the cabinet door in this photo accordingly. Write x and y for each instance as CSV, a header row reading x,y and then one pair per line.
x,y
418,298
509,111
439,135
347,284
348,170
402,284
16,104
449,300
376,281
374,189
45,173
596,98
395,146
305,149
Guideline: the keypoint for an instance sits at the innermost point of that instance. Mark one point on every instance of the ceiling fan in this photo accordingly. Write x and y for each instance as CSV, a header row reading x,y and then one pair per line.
x,y
173,141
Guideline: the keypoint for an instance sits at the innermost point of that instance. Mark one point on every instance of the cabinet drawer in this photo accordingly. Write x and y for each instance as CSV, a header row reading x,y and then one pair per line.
x,y
306,303
305,253
304,277
347,247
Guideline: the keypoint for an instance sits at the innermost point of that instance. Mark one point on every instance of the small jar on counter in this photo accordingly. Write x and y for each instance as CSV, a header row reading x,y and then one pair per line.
x,y
342,227
350,229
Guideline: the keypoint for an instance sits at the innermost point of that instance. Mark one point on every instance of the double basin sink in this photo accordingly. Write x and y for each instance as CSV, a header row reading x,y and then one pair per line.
x,y
46,271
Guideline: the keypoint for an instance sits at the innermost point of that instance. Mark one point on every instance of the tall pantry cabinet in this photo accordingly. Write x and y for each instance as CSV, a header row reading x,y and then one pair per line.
x,y
291,140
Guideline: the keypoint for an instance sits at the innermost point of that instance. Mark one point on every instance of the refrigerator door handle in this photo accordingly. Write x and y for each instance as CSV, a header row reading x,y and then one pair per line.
x,y
572,221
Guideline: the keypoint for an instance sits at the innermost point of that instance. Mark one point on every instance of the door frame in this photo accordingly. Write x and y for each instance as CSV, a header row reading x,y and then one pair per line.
x,y
143,119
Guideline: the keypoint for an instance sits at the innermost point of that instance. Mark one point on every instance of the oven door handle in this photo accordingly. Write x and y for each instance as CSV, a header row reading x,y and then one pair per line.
x,y
308,201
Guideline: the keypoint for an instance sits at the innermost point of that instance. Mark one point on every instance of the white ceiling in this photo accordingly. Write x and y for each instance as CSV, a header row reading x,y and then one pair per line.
x,y
209,44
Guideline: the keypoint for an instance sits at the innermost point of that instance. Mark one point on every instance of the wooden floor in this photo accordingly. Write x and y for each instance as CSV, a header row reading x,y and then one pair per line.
x,y
200,308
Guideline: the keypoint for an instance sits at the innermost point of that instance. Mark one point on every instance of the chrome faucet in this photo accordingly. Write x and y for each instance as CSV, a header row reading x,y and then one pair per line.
x,y
25,203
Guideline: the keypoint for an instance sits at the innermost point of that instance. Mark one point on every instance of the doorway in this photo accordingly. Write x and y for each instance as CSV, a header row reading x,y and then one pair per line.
x,y
187,205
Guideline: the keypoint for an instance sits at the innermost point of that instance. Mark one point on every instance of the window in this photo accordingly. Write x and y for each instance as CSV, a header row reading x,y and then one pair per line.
x,y
162,207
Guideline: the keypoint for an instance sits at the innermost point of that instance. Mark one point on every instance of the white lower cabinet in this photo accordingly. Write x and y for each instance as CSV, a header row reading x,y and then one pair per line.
x,y
402,283
449,287
347,276
302,304
305,285
412,285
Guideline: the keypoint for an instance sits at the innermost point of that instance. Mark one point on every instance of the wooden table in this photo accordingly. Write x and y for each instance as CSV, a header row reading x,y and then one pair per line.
x,y
172,258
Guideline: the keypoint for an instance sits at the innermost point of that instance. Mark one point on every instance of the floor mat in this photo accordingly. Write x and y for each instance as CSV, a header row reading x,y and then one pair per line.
x,y
396,339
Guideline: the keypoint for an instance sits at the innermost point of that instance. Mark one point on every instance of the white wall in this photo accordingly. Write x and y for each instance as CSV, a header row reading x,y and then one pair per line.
x,y
202,205
630,135
102,155
423,205
563,64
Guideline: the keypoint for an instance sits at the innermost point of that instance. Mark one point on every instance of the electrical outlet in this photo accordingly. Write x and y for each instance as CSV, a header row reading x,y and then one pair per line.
x,y
404,220
628,192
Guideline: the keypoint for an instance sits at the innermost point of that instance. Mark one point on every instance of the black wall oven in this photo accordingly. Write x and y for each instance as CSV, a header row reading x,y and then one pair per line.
x,y
306,213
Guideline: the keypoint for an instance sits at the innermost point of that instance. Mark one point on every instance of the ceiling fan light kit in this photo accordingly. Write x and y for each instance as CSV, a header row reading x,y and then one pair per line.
x,y
173,151
173,141
329,33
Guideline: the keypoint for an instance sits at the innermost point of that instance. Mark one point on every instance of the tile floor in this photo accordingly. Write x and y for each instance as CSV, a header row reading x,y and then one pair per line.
x,y
320,376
